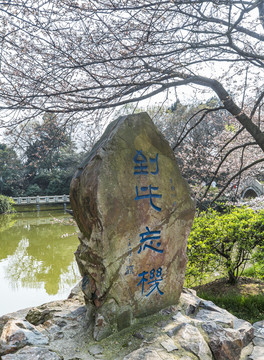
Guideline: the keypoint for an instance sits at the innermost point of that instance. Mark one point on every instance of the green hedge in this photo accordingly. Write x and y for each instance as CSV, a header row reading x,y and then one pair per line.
x,y
6,204
224,242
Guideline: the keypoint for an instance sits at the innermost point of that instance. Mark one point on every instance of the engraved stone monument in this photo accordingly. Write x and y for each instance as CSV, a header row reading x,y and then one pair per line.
x,y
135,212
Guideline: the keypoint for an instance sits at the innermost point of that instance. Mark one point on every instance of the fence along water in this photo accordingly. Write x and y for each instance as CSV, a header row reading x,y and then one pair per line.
x,y
38,200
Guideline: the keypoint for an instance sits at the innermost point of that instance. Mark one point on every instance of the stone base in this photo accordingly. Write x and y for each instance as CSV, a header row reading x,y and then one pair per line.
x,y
193,329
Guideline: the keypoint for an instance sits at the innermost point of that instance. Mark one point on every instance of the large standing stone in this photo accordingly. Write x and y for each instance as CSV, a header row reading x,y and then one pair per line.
x,y
135,212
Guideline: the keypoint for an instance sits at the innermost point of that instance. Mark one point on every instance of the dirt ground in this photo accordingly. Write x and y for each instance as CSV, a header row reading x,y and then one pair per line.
x,y
244,286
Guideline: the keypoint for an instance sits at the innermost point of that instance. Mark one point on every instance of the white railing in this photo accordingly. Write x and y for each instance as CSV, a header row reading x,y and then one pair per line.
x,y
55,199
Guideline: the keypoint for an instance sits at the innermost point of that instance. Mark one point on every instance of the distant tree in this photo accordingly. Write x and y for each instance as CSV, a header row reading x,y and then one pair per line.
x,y
49,157
61,178
33,190
11,172
45,142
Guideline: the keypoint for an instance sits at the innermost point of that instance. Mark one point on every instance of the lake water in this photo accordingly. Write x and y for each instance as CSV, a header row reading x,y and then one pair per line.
x,y
37,262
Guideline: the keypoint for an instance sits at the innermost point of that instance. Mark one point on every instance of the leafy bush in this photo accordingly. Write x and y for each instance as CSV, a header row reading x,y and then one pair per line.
x,y
225,241
6,204
257,268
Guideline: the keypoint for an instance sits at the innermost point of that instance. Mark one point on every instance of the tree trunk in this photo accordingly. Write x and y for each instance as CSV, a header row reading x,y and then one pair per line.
x,y
232,279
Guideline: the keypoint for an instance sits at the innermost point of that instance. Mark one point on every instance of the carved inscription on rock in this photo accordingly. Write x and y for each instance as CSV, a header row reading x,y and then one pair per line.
x,y
134,211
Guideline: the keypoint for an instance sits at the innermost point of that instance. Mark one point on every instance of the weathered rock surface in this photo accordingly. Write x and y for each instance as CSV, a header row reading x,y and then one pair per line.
x,y
33,353
171,334
135,212
17,334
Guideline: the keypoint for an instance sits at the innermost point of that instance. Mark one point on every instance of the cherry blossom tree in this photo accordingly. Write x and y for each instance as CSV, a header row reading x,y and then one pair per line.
x,y
79,58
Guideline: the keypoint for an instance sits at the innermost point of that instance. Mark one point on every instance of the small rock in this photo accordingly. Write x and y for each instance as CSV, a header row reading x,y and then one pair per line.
x,y
189,303
259,324
225,320
58,335
102,329
3,320
190,338
61,323
17,333
226,344
209,305
246,351
180,318
150,330
169,345
138,335
174,331
143,354
37,316
259,328
168,310
258,341
245,329
257,353
95,349
189,291
33,353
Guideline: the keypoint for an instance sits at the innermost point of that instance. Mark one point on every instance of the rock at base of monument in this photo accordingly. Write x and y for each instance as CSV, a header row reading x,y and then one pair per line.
x,y
135,212
170,334
102,328
111,318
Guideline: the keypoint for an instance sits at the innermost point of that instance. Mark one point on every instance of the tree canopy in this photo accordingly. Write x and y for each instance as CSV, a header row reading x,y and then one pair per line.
x,y
39,159
75,57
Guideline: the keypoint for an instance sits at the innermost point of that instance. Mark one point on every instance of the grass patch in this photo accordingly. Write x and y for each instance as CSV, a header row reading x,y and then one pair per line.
x,y
246,307
255,271
245,299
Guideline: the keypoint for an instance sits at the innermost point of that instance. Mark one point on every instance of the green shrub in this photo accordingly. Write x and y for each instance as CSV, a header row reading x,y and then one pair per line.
x,y
6,204
256,270
224,242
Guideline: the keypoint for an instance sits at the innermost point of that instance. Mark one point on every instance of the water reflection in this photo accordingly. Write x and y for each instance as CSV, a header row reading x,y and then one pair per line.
x,y
37,252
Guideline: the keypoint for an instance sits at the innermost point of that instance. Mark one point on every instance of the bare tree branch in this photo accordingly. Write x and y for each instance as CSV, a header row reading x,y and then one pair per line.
x,y
205,112
233,177
76,58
